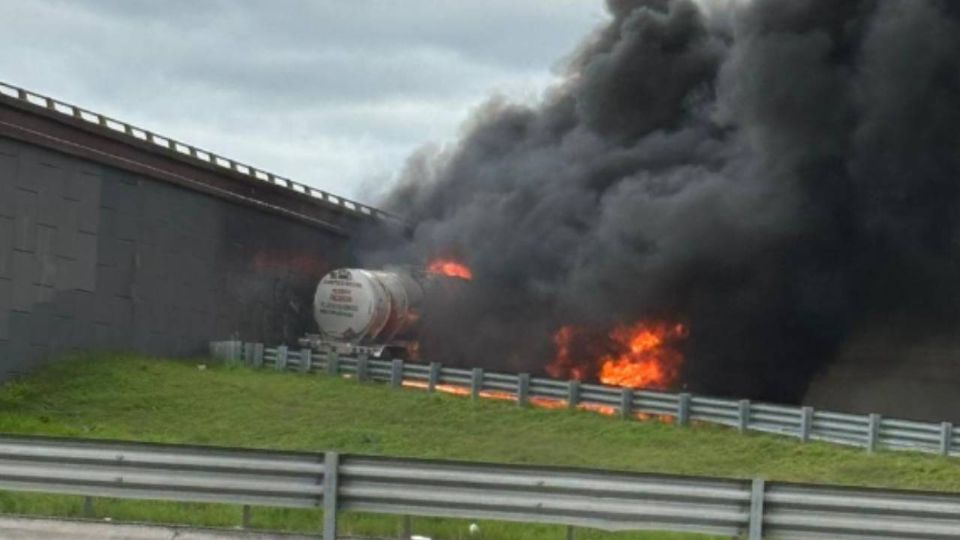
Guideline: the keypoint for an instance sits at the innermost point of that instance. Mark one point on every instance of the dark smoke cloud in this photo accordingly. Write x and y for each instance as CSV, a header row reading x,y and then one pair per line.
x,y
777,175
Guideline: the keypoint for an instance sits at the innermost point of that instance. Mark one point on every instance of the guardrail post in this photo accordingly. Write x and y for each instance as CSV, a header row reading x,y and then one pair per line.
x,y
476,383
306,360
406,527
333,363
626,402
362,367
743,416
331,470
683,409
245,519
806,423
396,373
281,358
247,354
755,528
873,432
573,394
570,533
88,506
257,355
434,376
523,389
946,438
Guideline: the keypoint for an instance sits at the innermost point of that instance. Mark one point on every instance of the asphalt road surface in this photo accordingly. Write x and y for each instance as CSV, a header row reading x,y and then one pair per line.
x,y
22,528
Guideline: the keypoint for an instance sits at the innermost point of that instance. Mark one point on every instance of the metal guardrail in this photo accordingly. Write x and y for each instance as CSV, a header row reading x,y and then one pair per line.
x,y
616,501
184,150
580,498
142,471
870,431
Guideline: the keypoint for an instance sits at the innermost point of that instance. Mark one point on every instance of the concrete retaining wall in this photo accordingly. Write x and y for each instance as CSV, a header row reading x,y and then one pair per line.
x,y
92,256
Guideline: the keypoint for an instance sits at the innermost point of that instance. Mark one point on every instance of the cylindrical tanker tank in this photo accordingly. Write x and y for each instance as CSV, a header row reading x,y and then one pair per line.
x,y
368,307
388,312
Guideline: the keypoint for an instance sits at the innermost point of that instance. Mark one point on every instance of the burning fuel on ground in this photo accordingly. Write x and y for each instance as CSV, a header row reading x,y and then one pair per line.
x,y
640,355
721,195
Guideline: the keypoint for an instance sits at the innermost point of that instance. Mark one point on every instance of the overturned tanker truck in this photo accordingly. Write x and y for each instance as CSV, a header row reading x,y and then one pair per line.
x,y
378,313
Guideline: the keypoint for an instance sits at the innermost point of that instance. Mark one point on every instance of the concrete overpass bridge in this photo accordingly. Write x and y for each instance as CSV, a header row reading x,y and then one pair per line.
x,y
115,237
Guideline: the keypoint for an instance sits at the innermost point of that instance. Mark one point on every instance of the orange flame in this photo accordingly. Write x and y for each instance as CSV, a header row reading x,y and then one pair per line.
x,y
644,355
648,361
449,267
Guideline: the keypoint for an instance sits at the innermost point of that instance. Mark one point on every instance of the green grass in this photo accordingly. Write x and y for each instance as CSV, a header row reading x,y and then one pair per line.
x,y
129,397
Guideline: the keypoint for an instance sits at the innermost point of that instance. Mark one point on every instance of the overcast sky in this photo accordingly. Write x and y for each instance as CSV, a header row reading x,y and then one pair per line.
x,y
332,93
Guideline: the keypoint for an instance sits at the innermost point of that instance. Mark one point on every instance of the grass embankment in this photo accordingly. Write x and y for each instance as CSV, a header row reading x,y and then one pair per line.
x,y
127,397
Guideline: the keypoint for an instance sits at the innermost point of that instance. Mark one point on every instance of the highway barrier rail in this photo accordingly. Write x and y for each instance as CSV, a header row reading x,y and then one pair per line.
x,y
616,501
869,431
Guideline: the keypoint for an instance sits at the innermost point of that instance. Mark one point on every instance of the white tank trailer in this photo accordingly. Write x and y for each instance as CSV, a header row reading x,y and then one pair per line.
x,y
374,312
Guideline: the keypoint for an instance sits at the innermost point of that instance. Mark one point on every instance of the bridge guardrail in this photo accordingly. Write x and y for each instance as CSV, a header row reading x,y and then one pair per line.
x,y
868,431
609,500
184,150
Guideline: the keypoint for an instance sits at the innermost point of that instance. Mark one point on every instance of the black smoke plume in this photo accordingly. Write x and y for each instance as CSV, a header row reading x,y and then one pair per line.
x,y
775,174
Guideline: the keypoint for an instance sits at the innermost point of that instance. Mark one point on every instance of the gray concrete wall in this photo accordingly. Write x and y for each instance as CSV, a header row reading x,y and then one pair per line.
x,y
93,257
